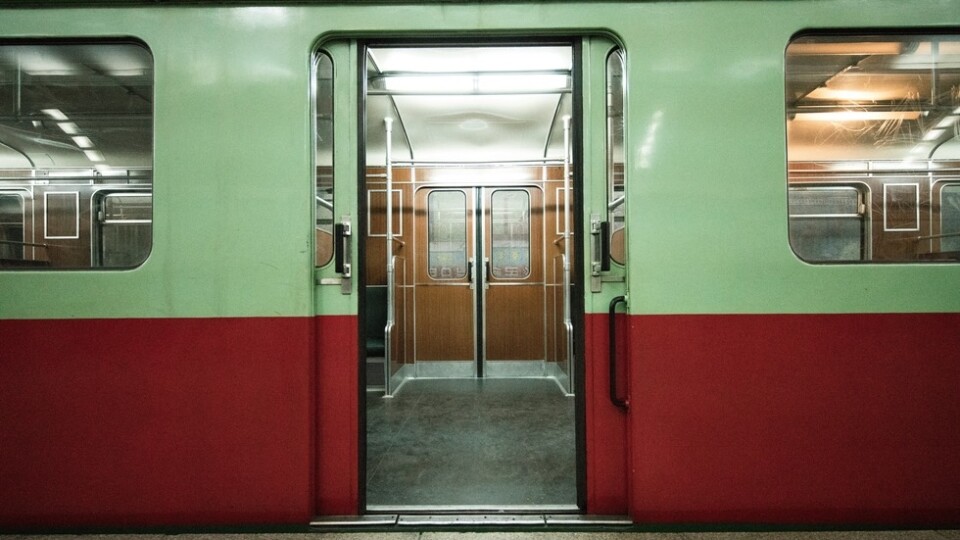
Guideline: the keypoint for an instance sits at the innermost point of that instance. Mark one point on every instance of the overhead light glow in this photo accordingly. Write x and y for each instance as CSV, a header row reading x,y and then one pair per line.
x,y
479,83
430,84
83,142
857,116
840,94
947,122
69,128
933,134
521,82
846,49
93,155
56,114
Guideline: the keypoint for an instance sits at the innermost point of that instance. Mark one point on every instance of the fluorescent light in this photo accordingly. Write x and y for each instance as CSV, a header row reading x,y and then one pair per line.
x,y
846,49
857,116
56,114
481,83
83,142
430,84
933,134
69,128
93,155
839,94
521,82
947,122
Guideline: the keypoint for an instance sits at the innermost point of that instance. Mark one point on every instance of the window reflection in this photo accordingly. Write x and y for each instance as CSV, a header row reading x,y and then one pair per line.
x,y
510,234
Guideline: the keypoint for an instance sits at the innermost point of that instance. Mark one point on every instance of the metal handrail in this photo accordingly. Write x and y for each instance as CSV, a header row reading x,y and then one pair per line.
x,y
621,403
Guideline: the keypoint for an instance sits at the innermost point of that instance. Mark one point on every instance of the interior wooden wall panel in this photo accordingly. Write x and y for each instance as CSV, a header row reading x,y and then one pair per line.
x,y
515,322
444,322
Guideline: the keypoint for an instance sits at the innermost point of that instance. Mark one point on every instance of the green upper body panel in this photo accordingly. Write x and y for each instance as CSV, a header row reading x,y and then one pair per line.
x,y
705,160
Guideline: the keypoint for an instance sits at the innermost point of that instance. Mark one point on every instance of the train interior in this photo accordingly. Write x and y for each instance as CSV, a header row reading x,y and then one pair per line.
x,y
467,278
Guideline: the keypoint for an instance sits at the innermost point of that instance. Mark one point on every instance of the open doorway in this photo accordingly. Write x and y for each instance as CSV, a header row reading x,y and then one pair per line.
x,y
468,324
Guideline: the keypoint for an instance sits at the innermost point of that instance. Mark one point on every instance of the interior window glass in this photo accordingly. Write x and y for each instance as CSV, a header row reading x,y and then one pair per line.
x,y
323,70
950,219
447,234
825,224
81,126
615,164
11,227
878,113
510,233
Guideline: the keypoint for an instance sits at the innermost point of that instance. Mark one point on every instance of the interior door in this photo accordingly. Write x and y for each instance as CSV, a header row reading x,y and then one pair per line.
x,y
444,291
513,299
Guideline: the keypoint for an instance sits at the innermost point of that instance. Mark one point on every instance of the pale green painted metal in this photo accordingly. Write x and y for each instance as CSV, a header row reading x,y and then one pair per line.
x,y
707,197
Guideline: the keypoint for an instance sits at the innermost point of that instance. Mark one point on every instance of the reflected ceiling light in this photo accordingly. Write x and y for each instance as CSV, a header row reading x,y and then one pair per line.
x,y
56,114
866,48
69,128
840,94
93,155
83,142
947,122
933,134
857,116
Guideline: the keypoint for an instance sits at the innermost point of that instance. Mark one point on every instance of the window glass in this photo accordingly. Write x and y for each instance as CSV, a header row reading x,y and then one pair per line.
x,y
878,113
615,168
81,125
11,227
510,234
124,234
950,219
447,234
825,224
323,70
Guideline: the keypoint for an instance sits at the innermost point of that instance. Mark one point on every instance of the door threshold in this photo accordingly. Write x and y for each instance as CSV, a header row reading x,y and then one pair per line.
x,y
470,520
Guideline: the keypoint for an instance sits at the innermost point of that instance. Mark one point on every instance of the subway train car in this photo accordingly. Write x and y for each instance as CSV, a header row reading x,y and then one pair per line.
x,y
545,263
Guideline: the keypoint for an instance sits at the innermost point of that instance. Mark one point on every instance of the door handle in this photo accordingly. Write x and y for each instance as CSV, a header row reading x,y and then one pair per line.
x,y
341,261
622,403
470,272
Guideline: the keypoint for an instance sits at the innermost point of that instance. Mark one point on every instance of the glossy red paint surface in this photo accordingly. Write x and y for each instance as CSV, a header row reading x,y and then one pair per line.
x,y
810,419
338,387
606,444
155,421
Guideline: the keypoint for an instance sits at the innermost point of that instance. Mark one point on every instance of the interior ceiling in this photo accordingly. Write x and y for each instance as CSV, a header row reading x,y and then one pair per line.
x,y
873,100
520,119
76,106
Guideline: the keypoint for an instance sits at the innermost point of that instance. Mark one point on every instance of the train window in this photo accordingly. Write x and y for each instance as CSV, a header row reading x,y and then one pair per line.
x,y
447,234
11,227
826,223
323,94
881,114
126,219
615,161
510,233
80,124
950,219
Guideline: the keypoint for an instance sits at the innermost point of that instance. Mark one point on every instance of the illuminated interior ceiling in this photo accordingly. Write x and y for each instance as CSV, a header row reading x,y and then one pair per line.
x,y
873,100
76,106
469,104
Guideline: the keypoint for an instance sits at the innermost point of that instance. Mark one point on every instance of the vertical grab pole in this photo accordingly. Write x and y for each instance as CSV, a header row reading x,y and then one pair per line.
x,y
388,331
567,315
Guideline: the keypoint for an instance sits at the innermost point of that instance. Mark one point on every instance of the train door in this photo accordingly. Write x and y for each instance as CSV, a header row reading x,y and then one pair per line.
x,y
455,247
479,287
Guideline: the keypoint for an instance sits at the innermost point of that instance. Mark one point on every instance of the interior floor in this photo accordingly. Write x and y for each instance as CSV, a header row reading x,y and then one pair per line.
x,y
472,443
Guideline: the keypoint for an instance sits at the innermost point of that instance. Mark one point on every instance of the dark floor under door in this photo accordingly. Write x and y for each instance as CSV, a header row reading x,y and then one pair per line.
x,y
470,443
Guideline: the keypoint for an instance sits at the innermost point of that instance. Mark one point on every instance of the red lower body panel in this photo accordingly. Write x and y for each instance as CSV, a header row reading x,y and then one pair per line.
x,y
338,465
156,421
796,419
